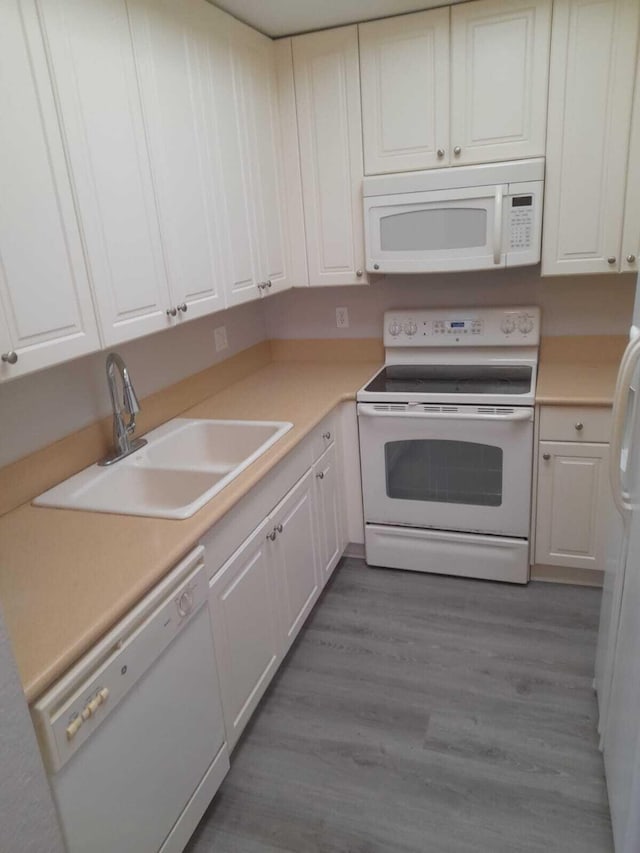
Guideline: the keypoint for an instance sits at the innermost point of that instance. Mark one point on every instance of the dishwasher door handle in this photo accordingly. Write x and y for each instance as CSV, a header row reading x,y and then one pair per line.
x,y
519,415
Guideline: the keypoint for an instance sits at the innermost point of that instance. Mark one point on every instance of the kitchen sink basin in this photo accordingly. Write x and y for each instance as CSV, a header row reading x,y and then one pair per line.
x,y
184,464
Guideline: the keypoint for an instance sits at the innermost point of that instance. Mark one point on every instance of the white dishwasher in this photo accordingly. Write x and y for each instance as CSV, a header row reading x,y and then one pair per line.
x,y
133,736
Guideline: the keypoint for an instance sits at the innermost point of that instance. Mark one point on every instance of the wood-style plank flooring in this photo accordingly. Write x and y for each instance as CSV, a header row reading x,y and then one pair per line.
x,y
424,714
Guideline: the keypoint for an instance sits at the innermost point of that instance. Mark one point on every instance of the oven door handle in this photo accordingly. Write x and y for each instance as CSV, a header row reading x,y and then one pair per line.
x,y
518,415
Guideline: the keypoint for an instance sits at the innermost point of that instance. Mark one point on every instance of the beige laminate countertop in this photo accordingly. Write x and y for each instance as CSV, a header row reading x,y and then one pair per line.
x,y
579,371
66,576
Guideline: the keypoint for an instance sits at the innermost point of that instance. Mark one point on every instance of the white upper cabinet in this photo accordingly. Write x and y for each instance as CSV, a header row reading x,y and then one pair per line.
x,y
327,85
46,309
170,50
499,79
404,70
593,54
93,65
630,256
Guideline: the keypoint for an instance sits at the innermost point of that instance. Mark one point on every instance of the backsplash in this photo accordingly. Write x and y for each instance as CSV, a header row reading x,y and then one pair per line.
x,y
43,407
575,305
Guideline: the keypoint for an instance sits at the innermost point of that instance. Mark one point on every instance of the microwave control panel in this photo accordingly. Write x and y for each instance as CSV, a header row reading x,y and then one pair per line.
x,y
454,327
521,222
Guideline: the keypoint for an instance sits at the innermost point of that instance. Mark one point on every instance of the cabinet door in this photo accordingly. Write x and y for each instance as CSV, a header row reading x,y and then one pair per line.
x,y
170,49
44,290
294,558
328,515
404,72
630,260
593,52
499,78
327,86
93,65
247,641
571,504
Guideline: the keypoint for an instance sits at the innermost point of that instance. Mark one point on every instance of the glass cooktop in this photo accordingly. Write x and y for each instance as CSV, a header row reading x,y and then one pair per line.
x,y
451,379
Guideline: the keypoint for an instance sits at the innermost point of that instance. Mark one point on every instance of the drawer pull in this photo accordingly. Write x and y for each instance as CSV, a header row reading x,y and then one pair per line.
x,y
546,456
579,426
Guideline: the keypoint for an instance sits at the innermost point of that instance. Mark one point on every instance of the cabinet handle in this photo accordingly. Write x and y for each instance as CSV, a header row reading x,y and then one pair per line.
x,y
326,435
320,476
440,153
171,312
183,307
359,273
10,357
631,259
546,456
457,150
272,535
579,426
279,528
611,260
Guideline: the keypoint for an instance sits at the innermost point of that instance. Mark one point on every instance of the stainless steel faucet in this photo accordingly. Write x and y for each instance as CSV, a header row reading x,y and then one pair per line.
x,y
123,443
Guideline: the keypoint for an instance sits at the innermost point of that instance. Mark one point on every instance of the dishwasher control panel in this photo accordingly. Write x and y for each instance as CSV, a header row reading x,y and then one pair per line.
x,y
74,707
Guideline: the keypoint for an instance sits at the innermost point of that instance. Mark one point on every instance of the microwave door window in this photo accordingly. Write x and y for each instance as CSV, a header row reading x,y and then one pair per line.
x,y
457,472
434,229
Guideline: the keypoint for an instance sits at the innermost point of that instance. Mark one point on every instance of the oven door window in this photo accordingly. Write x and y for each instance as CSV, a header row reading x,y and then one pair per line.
x,y
457,472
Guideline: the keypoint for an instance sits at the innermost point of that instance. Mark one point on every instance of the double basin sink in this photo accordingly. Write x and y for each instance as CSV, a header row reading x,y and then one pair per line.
x,y
184,464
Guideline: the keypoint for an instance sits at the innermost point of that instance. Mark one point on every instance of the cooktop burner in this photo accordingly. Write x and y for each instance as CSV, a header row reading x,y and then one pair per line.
x,y
451,379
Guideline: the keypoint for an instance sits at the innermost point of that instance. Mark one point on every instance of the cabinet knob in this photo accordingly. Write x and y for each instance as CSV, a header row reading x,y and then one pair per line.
x,y
359,273
183,307
546,456
320,475
579,426
440,153
268,282
631,259
457,150
279,528
272,536
611,260
326,436
376,266
10,357
171,312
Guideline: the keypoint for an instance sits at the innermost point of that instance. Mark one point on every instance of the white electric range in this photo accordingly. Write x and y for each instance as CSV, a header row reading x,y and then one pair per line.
x,y
446,442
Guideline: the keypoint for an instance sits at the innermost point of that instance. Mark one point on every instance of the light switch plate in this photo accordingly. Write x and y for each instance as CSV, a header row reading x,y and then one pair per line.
x,y
220,338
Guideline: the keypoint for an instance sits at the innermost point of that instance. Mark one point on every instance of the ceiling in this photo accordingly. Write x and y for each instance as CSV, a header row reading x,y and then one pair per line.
x,y
286,17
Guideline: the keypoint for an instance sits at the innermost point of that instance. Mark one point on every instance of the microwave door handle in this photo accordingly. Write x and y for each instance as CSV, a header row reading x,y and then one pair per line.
x,y
518,415
497,225
620,413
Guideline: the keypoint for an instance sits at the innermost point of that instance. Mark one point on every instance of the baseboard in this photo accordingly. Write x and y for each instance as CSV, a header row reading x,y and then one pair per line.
x,y
567,574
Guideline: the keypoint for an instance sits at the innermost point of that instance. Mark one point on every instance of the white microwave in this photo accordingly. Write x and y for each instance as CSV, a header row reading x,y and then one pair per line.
x,y
462,218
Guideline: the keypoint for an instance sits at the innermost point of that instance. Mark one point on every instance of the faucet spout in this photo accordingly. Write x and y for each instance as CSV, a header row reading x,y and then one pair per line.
x,y
124,415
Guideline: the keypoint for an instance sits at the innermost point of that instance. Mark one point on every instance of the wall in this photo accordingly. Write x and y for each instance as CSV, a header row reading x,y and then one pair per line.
x,y
28,823
572,305
42,407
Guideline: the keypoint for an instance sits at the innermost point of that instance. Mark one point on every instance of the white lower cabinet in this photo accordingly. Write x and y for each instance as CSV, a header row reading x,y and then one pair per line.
x,y
330,538
246,633
262,595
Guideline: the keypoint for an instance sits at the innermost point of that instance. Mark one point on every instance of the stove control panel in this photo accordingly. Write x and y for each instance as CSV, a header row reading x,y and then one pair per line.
x,y
455,327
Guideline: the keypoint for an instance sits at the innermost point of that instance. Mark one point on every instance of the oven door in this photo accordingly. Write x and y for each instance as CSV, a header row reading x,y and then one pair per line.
x,y
447,467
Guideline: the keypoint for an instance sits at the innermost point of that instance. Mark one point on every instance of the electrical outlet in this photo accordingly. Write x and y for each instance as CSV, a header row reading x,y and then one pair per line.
x,y
342,318
220,338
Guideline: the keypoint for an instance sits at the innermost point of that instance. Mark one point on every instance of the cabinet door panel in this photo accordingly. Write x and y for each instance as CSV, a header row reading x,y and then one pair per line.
x,y
499,77
294,558
92,57
170,48
630,260
246,637
572,494
593,53
404,68
330,534
329,121
44,290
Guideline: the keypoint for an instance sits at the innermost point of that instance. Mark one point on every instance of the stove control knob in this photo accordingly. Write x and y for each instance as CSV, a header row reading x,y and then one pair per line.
x,y
508,324
410,328
525,323
394,328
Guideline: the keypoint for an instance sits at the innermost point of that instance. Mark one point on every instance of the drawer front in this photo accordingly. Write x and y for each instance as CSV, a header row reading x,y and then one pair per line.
x,y
324,435
575,423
